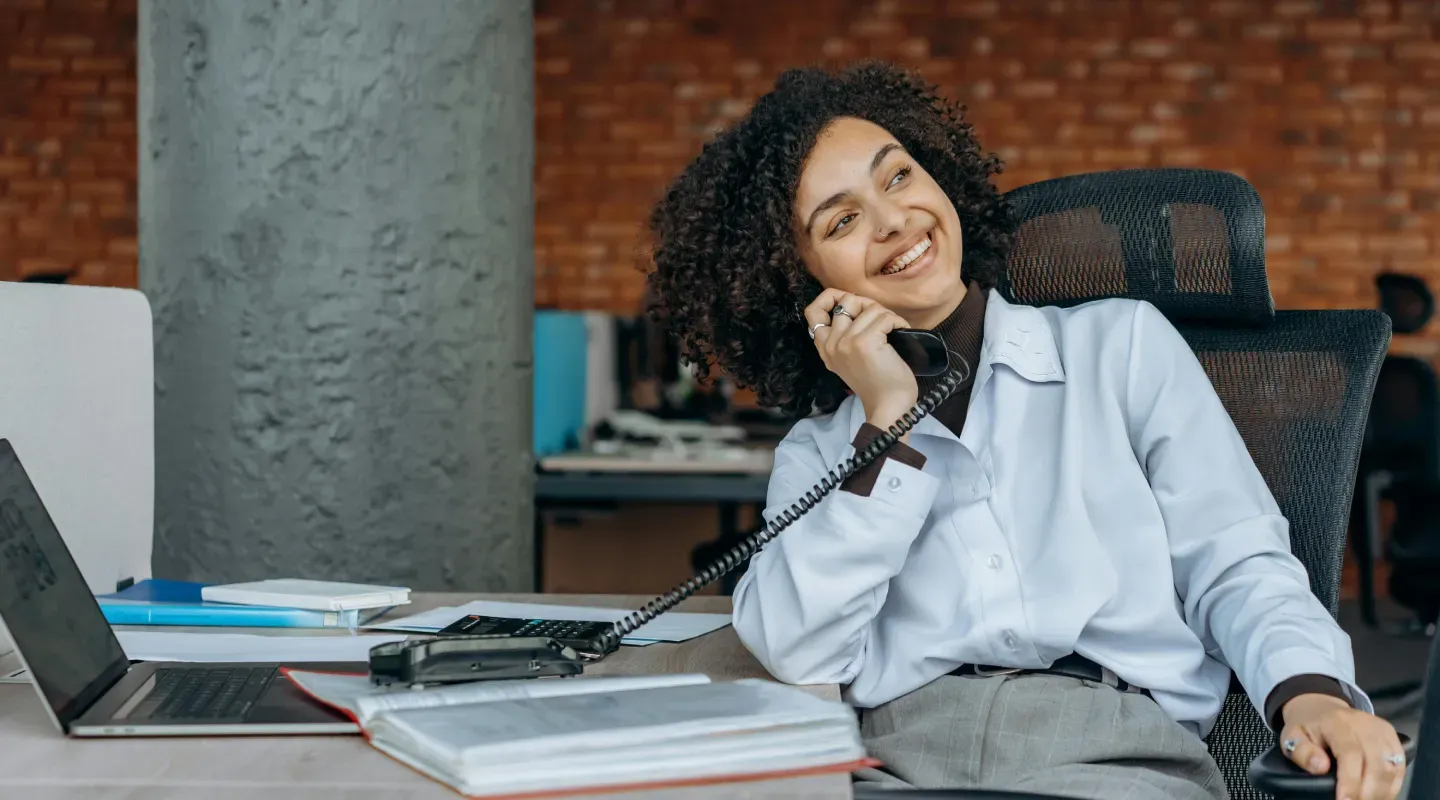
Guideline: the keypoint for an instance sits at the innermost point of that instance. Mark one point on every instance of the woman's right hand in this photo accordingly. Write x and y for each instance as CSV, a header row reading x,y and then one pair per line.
x,y
855,348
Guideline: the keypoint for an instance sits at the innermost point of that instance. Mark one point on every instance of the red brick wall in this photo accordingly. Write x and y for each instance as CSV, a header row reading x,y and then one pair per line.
x,y
68,140
1332,110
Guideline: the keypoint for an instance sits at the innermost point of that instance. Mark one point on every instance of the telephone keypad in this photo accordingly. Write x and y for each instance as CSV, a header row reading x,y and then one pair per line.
x,y
581,635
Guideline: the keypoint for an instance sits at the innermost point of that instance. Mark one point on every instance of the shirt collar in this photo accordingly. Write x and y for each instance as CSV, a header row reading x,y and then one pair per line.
x,y
1021,338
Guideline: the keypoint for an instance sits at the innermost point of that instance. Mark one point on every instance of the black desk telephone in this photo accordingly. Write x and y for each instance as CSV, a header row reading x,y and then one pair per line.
x,y
492,648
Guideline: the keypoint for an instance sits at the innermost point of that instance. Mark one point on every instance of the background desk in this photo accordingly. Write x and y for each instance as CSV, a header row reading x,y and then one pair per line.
x,y
579,480
37,763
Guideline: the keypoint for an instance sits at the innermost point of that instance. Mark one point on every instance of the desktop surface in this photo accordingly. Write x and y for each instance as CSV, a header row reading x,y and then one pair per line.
x,y
37,761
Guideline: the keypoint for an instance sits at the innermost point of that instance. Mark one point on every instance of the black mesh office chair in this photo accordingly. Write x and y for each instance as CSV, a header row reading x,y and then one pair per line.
x,y
1400,461
1297,383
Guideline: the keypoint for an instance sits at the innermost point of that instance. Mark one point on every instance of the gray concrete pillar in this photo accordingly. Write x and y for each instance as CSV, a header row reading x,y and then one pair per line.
x,y
336,234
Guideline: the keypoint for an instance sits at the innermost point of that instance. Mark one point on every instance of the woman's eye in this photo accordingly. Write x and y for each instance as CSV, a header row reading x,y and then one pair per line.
x,y
900,176
845,220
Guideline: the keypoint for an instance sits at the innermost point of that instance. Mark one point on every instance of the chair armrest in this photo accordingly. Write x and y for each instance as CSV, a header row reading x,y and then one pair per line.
x,y
864,792
1273,773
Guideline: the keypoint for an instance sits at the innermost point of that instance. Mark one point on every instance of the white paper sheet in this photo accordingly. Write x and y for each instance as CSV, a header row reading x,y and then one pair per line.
x,y
217,647
669,627
356,694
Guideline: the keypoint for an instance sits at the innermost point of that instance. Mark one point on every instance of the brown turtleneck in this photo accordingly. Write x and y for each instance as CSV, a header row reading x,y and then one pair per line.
x,y
964,333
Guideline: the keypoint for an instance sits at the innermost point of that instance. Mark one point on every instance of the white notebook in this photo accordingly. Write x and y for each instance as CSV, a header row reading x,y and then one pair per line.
x,y
566,735
301,593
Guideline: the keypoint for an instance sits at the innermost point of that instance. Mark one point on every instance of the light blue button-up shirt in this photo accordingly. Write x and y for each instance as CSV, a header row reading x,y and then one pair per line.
x,y
1099,501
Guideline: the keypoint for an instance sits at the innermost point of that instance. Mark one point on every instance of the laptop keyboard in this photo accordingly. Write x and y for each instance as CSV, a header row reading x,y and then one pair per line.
x,y
204,693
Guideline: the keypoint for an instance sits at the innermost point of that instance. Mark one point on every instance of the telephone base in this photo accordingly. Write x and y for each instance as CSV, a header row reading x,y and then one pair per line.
x,y
461,659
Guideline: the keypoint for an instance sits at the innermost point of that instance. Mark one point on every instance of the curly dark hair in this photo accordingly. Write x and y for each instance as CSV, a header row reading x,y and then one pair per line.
x,y
727,279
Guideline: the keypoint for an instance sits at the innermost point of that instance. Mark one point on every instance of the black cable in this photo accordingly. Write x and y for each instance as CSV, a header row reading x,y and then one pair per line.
x,y
752,543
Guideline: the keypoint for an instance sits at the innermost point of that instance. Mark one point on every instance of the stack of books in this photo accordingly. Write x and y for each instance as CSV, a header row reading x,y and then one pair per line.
x,y
280,603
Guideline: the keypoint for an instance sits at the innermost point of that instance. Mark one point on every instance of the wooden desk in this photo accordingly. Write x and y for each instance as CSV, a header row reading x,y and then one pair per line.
x,y
36,762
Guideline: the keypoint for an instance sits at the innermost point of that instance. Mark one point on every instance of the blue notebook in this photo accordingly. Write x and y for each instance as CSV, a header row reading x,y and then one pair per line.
x,y
162,602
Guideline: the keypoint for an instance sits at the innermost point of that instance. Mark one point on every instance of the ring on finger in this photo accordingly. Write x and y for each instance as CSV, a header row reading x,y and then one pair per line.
x,y
817,326
1397,759
839,310
1289,745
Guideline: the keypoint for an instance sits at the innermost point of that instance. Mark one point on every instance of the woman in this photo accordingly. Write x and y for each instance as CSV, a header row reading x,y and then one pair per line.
x,y
1046,584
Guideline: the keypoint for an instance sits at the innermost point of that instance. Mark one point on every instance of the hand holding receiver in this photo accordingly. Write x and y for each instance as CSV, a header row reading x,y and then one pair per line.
x,y
851,333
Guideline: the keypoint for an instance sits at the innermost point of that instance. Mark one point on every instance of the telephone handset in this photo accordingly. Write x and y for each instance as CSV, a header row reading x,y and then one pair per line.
x,y
467,649
924,351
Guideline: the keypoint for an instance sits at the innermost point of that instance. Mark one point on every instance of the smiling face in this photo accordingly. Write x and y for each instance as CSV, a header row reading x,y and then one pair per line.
x,y
872,222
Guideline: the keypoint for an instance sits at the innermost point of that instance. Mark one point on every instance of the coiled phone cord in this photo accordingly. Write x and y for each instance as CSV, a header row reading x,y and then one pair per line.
x,y
951,381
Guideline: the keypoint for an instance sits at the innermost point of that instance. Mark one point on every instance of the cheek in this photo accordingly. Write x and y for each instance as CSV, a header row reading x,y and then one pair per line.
x,y
837,265
844,264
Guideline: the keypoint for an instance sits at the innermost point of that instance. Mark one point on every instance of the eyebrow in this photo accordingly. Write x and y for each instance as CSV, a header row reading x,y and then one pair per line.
x,y
839,197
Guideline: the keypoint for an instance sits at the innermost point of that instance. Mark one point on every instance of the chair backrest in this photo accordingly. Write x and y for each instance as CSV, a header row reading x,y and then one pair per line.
x,y
1190,241
1297,383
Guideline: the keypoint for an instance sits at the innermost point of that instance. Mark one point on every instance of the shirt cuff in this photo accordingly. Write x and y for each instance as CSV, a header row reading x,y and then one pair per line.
x,y
1278,667
1293,687
862,481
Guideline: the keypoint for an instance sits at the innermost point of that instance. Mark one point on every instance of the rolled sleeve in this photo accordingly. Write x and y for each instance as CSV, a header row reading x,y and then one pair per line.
x,y
862,481
1298,685
1287,665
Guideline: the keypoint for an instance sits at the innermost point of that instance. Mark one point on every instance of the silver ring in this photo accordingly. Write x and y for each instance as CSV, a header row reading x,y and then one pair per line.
x,y
1398,759
839,309
1289,745
817,326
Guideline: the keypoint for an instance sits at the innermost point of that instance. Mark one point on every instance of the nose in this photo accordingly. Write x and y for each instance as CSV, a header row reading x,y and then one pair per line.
x,y
889,219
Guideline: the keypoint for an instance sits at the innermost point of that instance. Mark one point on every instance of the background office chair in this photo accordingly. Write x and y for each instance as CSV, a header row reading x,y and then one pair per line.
x,y
77,398
1400,462
1297,383
77,401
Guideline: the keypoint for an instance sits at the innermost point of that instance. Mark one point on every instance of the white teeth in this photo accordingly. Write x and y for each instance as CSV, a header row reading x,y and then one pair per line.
x,y
907,258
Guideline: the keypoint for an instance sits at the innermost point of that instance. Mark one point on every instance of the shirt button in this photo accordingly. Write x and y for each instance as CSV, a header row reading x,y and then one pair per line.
x,y
1010,639
995,562
894,484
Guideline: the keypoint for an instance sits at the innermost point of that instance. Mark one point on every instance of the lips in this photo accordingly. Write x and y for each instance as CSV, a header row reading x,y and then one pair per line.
x,y
903,261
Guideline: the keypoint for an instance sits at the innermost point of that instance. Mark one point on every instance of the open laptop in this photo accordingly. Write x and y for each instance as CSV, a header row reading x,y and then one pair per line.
x,y
80,669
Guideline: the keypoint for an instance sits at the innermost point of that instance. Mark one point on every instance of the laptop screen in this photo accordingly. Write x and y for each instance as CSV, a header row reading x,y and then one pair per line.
x,y
56,625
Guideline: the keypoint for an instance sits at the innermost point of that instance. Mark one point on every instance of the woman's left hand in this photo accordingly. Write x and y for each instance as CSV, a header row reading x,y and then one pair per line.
x,y
1362,744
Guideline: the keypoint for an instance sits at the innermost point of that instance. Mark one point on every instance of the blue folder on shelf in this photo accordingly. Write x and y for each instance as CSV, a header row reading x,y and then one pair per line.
x,y
162,602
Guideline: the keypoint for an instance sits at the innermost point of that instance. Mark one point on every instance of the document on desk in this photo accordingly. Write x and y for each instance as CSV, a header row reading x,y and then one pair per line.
x,y
669,627
218,647
357,696
577,735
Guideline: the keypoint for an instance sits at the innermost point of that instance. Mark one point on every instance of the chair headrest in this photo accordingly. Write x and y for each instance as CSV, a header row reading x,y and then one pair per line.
x,y
1406,300
1190,241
